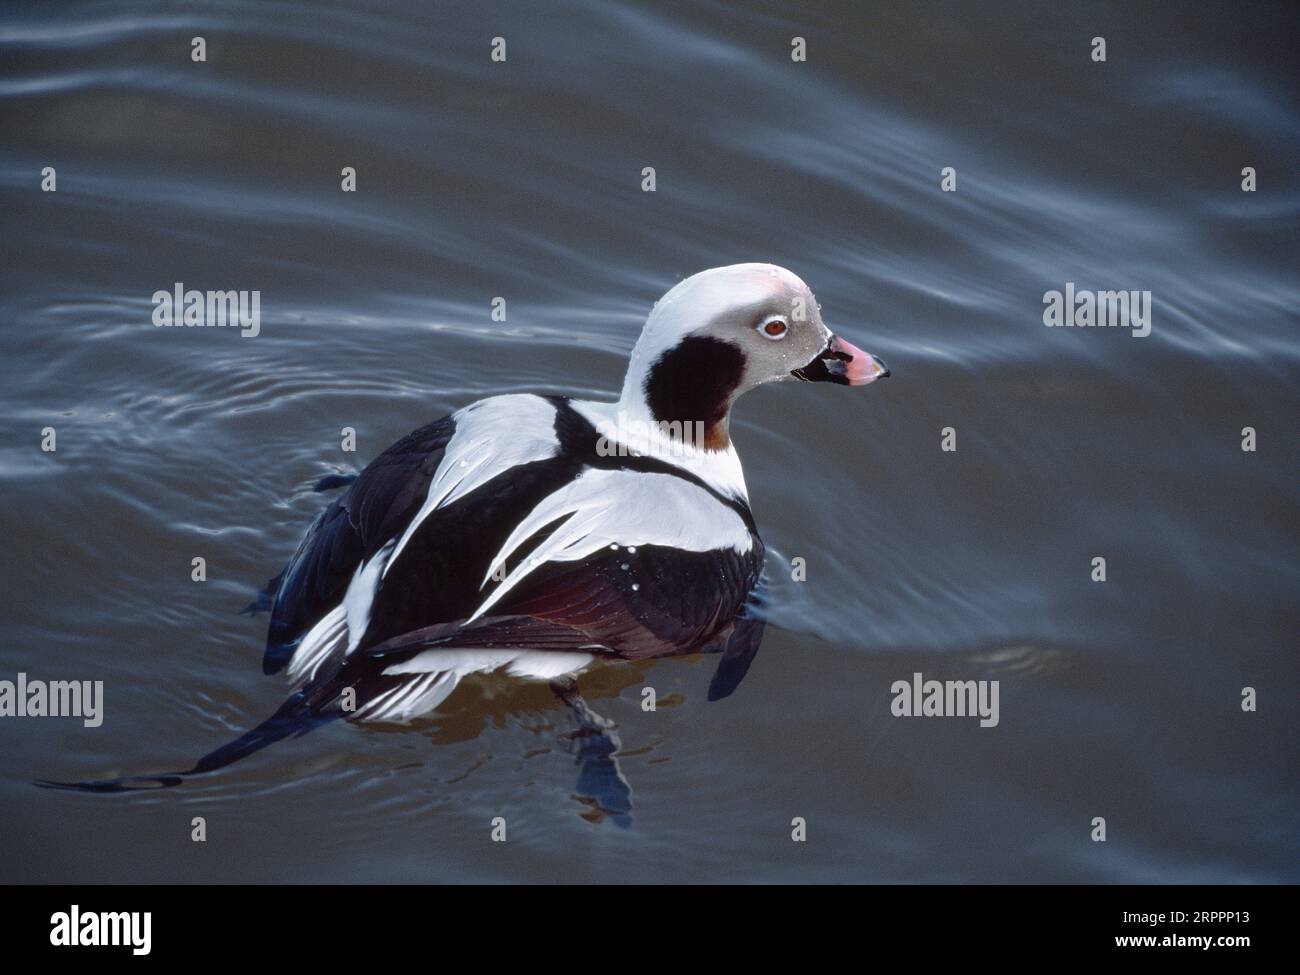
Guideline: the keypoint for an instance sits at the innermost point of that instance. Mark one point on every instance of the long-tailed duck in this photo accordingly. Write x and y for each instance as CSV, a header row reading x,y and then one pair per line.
x,y
534,534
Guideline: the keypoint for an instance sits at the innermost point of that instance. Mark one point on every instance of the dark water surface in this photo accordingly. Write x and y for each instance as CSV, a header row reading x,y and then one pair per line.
x,y
478,179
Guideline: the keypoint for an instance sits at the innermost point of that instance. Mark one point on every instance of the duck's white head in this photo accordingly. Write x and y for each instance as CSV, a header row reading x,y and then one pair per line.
x,y
724,331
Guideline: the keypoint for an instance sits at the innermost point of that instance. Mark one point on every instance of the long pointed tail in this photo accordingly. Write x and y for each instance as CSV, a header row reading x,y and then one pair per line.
x,y
297,716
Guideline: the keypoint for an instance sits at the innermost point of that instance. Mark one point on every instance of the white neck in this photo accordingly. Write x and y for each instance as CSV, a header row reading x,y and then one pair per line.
x,y
628,422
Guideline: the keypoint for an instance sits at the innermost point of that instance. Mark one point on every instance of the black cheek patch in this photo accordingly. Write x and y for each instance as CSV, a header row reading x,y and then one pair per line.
x,y
694,381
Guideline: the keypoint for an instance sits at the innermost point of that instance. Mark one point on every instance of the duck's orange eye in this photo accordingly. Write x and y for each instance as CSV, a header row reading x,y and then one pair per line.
x,y
774,329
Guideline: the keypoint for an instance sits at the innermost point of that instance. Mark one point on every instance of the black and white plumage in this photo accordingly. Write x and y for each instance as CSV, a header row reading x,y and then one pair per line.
x,y
533,534
499,537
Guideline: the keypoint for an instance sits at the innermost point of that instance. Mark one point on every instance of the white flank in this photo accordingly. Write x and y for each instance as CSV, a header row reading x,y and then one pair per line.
x,y
361,595
435,674
324,640
622,508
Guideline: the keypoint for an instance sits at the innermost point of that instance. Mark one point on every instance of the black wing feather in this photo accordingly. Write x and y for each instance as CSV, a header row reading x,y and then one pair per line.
x,y
376,508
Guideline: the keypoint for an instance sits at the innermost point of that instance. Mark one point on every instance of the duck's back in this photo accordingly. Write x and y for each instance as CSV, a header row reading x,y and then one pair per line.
x,y
511,508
